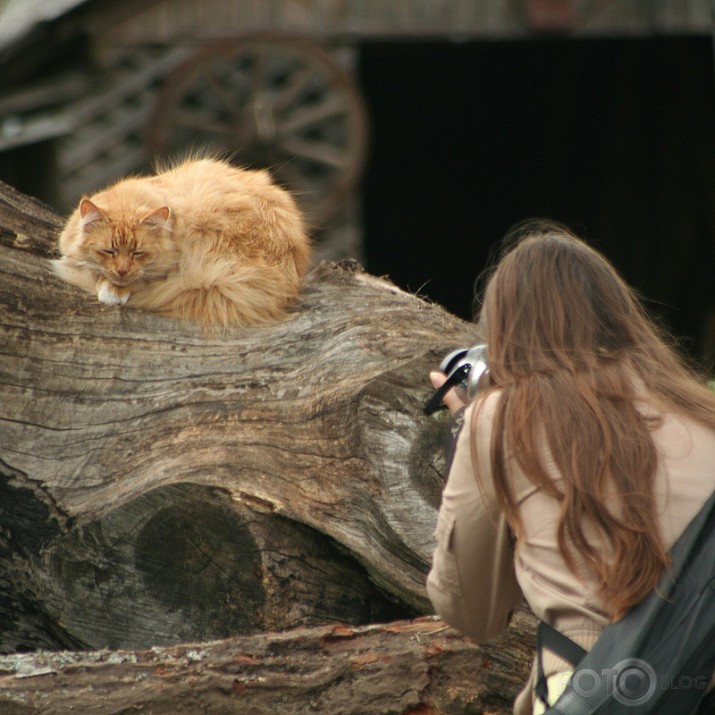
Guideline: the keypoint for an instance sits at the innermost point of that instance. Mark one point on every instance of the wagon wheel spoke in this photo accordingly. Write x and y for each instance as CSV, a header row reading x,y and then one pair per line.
x,y
320,153
221,92
304,117
258,72
297,82
234,80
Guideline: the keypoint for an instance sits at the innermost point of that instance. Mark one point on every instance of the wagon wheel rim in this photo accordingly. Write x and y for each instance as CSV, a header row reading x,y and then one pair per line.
x,y
268,102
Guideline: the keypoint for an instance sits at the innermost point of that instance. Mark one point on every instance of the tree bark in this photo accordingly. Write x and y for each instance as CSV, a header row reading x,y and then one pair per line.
x,y
159,485
404,667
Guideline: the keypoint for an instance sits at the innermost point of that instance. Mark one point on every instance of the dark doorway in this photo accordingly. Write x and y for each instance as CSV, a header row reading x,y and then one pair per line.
x,y
614,137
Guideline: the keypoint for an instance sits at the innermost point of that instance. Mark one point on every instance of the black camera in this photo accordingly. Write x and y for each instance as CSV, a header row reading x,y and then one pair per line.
x,y
467,372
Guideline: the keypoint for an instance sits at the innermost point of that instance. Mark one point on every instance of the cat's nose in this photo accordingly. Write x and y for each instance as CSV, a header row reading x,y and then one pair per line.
x,y
122,272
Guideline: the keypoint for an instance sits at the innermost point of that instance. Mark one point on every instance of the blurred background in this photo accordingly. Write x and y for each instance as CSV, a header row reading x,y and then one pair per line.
x,y
413,132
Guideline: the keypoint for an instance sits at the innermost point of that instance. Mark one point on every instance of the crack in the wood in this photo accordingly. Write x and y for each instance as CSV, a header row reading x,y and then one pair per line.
x,y
18,478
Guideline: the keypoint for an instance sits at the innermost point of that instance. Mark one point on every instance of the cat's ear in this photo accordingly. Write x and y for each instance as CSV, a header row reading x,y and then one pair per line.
x,y
159,218
90,213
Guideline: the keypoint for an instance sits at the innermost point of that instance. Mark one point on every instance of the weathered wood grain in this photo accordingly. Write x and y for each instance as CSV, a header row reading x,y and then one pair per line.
x,y
316,420
401,667
159,485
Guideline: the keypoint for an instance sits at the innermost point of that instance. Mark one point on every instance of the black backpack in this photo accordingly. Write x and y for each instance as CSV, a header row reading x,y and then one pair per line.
x,y
660,657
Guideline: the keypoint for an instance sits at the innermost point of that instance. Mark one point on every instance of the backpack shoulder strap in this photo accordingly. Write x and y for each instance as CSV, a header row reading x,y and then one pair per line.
x,y
555,641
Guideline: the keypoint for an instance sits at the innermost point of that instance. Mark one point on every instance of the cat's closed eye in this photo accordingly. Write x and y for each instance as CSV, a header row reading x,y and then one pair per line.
x,y
108,251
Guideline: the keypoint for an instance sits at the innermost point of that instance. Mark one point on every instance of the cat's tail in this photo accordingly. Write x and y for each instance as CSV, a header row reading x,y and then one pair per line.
x,y
219,293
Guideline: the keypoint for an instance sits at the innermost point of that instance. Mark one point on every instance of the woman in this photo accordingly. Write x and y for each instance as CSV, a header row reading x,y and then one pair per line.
x,y
580,465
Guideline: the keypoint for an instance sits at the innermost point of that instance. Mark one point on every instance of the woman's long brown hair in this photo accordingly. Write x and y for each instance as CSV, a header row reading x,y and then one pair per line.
x,y
570,348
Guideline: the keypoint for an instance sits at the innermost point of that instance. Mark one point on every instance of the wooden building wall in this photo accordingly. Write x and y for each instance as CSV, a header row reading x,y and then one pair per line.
x,y
172,20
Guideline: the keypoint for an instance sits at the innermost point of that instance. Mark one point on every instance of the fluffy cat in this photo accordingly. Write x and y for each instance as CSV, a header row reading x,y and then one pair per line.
x,y
204,241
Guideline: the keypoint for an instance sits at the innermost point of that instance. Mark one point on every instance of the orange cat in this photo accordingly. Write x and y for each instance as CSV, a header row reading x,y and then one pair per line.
x,y
205,241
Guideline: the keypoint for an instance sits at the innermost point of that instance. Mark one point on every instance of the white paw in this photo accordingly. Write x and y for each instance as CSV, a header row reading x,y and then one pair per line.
x,y
108,294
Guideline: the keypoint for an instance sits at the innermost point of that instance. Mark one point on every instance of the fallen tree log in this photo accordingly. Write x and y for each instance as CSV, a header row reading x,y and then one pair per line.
x,y
161,486
403,667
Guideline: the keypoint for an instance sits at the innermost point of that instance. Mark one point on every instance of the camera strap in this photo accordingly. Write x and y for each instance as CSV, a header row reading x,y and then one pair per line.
x,y
435,402
555,641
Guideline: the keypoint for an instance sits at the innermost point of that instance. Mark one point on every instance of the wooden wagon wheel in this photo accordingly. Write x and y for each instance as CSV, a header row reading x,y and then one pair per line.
x,y
271,102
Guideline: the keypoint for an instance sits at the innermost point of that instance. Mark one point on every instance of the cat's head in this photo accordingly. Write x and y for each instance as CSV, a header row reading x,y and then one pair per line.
x,y
126,247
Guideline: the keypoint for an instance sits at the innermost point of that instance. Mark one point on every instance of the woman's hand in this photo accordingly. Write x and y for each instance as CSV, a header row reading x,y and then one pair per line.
x,y
451,399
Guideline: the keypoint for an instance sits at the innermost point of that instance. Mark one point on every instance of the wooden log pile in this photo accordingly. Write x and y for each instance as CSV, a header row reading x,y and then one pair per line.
x,y
275,488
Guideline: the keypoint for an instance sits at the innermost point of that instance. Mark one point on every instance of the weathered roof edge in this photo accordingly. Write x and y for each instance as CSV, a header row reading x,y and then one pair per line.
x,y
18,18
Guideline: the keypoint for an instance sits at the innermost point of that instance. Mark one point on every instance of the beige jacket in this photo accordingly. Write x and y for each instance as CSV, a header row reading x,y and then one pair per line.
x,y
477,579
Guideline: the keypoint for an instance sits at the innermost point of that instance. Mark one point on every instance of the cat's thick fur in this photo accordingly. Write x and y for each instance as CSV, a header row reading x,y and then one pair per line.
x,y
204,241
